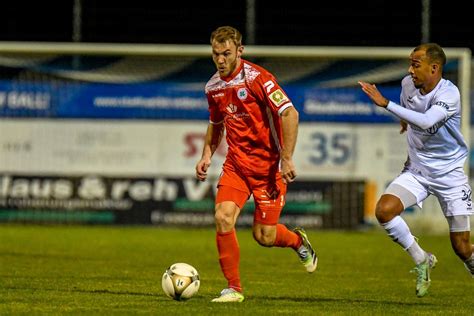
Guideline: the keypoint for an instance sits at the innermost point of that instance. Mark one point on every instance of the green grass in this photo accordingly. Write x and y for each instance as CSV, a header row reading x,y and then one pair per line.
x,y
117,270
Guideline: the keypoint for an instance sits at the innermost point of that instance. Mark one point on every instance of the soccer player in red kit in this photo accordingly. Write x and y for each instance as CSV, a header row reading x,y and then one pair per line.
x,y
261,127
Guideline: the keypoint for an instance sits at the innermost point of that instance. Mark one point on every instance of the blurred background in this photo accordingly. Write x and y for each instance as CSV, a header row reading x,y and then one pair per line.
x,y
349,23
103,111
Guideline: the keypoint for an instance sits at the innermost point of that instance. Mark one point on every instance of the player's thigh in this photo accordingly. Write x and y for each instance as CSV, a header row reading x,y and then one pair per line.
x,y
232,187
229,202
232,193
455,201
226,214
410,189
459,224
269,197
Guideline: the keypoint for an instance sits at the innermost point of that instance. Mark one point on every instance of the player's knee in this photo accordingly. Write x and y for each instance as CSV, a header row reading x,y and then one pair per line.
x,y
382,212
387,208
224,220
263,239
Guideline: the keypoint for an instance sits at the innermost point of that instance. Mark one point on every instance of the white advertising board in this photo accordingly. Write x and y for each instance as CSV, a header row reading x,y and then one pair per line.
x,y
172,148
121,148
67,147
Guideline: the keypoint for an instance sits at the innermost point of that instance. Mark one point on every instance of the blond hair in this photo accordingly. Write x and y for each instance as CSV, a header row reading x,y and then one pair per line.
x,y
226,33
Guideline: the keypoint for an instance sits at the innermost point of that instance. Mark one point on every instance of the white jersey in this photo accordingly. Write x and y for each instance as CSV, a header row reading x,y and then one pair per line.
x,y
440,148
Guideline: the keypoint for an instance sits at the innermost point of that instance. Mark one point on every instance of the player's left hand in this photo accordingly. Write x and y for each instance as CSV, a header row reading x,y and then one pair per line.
x,y
374,94
288,170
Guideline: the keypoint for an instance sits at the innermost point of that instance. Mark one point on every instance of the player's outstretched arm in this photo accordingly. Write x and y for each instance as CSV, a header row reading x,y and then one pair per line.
x,y
423,120
374,94
211,142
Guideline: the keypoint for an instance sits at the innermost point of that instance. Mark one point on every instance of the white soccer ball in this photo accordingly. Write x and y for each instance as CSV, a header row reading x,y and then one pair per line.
x,y
180,281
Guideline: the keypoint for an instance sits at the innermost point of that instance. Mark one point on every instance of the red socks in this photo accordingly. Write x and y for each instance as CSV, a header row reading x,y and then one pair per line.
x,y
229,258
229,252
286,238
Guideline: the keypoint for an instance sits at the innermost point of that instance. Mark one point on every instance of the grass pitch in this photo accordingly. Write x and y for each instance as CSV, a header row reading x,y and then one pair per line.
x,y
117,270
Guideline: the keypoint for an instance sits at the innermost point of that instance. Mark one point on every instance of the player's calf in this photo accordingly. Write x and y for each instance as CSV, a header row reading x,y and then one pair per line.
x,y
469,264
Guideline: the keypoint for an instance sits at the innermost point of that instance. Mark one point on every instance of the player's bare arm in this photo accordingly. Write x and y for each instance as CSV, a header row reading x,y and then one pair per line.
x,y
374,94
213,138
289,119
403,126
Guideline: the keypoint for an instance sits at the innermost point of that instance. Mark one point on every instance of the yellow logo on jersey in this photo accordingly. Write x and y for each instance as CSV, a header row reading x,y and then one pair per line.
x,y
278,97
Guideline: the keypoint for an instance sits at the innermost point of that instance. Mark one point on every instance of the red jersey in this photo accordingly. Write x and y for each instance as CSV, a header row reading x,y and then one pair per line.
x,y
250,103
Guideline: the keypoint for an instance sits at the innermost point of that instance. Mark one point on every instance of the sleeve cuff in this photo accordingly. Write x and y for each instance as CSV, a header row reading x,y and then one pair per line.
x,y
284,107
391,105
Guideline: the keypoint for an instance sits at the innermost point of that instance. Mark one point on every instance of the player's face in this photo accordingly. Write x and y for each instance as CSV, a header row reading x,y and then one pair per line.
x,y
226,57
420,69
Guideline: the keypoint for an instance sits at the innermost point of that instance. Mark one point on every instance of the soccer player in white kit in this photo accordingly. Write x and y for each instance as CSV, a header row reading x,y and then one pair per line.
x,y
430,112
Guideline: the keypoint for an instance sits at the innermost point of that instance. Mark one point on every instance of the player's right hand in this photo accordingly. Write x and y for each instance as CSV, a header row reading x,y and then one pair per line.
x,y
374,94
201,169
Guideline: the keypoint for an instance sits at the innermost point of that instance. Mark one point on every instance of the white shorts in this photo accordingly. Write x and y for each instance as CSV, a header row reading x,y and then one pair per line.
x,y
452,190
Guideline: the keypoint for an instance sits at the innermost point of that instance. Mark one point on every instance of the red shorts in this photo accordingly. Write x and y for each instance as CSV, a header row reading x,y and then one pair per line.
x,y
268,193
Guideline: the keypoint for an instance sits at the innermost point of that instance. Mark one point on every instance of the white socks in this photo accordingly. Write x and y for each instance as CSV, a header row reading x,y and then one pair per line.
x,y
418,254
398,230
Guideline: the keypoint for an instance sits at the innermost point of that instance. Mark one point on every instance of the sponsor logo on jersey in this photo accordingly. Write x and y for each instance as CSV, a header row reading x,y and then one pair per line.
x,y
242,93
434,129
429,131
278,97
218,95
442,104
231,108
233,115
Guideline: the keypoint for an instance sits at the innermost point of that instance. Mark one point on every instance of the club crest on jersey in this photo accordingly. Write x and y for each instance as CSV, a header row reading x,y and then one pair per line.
x,y
231,108
278,97
242,93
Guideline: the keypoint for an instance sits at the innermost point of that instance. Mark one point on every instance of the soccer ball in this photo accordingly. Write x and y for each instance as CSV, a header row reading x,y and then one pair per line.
x,y
180,281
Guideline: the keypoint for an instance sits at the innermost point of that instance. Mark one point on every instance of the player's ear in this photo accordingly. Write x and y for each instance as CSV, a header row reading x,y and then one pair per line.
x,y
240,50
434,68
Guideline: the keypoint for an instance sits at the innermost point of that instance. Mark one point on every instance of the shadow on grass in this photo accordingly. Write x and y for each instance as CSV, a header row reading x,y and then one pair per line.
x,y
76,290
115,292
337,300
48,256
254,298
